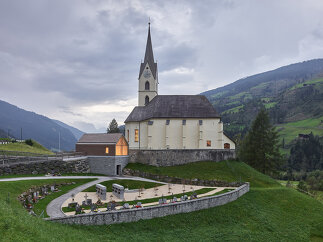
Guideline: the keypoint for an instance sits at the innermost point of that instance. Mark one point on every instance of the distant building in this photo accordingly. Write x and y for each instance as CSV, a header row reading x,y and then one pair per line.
x,y
171,121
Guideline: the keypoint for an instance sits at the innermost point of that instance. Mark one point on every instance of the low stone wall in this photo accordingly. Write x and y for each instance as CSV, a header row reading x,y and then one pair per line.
x,y
44,167
178,157
132,215
177,180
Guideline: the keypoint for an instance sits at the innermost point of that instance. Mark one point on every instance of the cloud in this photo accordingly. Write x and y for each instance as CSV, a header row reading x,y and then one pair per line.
x,y
78,61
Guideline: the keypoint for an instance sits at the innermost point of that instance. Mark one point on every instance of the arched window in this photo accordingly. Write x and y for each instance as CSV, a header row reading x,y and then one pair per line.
x,y
146,100
147,86
226,146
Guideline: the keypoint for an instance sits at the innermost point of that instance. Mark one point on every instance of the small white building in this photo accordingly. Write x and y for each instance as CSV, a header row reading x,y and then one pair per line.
x,y
171,121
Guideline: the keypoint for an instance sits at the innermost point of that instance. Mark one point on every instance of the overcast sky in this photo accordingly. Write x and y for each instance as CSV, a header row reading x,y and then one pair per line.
x,y
78,61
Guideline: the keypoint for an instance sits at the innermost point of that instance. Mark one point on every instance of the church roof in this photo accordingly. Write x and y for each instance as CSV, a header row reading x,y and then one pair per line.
x,y
149,57
100,138
174,106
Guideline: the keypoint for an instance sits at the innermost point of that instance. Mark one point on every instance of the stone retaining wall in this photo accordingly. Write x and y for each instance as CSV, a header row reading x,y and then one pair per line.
x,y
174,157
177,180
132,215
44,167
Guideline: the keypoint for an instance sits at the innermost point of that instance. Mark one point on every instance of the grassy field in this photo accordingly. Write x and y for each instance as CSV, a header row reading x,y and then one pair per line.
x,y
22,147
130,184
290,131
269,212
315,82
208,170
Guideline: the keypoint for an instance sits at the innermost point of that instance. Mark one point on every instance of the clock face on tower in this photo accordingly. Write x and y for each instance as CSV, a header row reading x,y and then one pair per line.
x,y
147,74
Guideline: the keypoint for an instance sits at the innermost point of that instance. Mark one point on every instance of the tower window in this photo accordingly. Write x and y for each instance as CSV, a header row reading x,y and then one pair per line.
x,y
146,100
147,85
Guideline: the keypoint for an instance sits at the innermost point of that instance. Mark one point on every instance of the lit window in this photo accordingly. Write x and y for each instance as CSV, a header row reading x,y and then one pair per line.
x,y
184,121
167,122
136,135
150,122
208,143
200,122
107,150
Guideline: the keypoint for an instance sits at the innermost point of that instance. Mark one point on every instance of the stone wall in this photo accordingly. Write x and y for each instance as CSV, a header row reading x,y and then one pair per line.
x,y
132,215
178,157
44,167
177,180
107,164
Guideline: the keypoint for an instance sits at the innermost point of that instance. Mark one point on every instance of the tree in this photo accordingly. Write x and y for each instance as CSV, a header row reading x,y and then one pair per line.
x,y
260,147
113,127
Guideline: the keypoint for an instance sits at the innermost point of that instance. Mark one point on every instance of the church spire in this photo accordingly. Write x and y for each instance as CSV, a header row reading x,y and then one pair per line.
x,y
149,56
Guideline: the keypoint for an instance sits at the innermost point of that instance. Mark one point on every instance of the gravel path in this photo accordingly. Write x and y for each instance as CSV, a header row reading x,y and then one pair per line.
x,y
54,207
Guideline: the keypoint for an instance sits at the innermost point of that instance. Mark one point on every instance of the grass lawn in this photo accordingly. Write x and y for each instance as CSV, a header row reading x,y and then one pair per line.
x,y
22,147
269,212
225,171
130,184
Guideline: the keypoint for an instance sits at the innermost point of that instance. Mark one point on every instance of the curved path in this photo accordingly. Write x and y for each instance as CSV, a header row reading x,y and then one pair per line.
x,y
54,207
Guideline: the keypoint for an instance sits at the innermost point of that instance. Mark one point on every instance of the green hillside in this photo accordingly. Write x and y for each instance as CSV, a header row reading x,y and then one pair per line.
x,y
269,212
293,96
23,147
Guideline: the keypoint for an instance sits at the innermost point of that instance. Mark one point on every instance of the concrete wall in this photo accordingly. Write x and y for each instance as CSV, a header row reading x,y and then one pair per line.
x,y
132,215
178,157
192,135
44,167
107,164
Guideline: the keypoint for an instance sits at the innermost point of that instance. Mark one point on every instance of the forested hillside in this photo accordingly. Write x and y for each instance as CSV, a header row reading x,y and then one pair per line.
x,y
293,96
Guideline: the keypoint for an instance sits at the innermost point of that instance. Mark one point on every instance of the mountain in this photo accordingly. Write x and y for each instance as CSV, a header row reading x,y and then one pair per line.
x,y
293,96
76,132
36,127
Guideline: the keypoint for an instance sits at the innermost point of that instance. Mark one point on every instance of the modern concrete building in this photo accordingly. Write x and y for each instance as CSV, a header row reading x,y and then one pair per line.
x,y
171,121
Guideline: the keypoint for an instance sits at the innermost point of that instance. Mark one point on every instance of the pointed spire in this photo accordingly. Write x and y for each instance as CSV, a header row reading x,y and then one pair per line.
x,y
149,56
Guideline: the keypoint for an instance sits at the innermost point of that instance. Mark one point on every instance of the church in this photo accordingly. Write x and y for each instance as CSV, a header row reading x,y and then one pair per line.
x,y
179,122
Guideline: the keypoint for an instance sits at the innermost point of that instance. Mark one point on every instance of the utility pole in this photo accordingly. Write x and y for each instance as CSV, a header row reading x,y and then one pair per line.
x,y
59,141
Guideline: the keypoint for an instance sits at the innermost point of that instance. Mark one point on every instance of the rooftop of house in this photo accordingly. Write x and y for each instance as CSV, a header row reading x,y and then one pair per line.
x,y
174,106
100,138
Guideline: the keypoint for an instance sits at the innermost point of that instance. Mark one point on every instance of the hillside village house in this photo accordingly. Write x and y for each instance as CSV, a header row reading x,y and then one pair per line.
x,y
171,121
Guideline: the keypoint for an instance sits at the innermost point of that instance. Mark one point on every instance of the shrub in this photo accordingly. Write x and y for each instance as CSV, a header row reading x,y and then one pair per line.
x,y
29,142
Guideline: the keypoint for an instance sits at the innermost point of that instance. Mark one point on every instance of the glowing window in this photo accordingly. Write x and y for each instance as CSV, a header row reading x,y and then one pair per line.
x,y
136,135
208,143
107,150
122,147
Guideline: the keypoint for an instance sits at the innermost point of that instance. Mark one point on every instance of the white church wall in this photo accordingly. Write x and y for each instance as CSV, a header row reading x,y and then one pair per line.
x,y
152,92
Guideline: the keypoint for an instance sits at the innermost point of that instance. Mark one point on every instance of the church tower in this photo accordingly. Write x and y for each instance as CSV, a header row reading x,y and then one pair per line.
x,y
148,75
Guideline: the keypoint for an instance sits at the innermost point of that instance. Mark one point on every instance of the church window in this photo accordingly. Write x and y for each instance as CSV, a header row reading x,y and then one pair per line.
x,y
226,146
167,122
184,121
150,122
208,143
147,86
200,122
147,67
146,100
107,150
136,135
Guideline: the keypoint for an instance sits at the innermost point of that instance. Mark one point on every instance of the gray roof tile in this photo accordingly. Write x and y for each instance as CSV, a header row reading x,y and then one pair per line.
x,y
174,106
